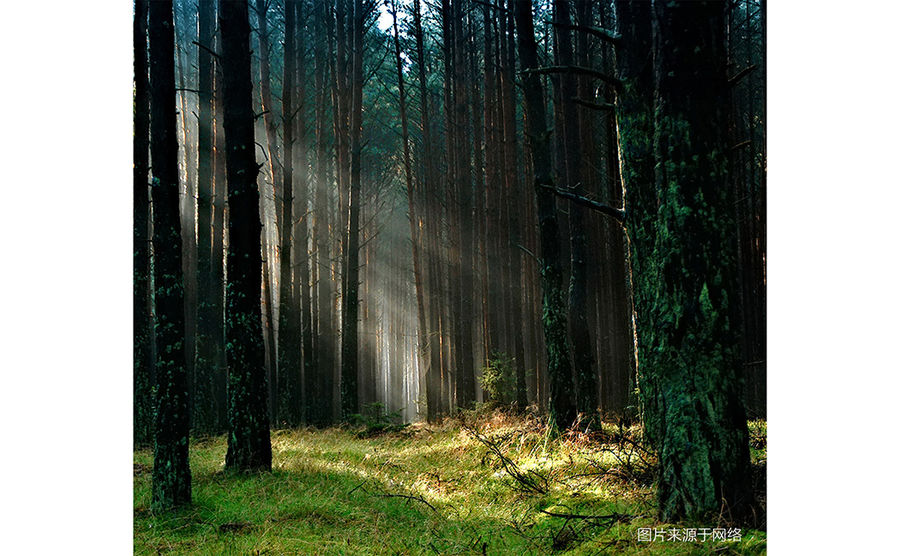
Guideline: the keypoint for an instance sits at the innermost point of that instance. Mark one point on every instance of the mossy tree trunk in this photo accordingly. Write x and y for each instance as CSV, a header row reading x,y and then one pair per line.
x,y
249,446
144,375
171,472
559,368
689,376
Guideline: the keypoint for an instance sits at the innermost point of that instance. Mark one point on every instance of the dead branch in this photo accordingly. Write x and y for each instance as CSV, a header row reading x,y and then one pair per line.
x,y
618,214
617,83
530,481
606,106
741,74
614,517
602,34
409,497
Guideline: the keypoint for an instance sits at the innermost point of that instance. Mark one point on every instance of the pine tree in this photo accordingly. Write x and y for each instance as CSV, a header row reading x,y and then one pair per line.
x,y
171,471
249,447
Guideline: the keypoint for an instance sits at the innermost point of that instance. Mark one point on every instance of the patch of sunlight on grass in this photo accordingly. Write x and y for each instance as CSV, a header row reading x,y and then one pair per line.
x,y
426,489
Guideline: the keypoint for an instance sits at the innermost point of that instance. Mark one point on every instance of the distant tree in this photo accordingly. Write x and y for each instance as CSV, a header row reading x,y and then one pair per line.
x,y
144,373
205,410
289,355
585,375
559,368
171,472
249,446
350,312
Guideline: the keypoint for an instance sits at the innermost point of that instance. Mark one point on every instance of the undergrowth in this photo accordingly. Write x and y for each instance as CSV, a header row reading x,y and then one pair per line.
x,y
493,485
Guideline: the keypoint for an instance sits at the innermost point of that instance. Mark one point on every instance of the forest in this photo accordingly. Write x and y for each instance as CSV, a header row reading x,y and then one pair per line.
x,y
449,276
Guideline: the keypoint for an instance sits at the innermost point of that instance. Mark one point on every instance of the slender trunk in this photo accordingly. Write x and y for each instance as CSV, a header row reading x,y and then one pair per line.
x,y
204,414
512,249
144,372
220,232
268,107
289,354
320,391
585,378
350,312
559,370
410,195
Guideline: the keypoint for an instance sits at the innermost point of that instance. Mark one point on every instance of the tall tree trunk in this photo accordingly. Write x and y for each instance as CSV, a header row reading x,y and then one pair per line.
x,y
204,409
220,231
350,312
429,223
559,369
411,196
268,107
171,472
465,383
302,218
585,377
320,394
689,363
144,372
512,249
289,354
249,447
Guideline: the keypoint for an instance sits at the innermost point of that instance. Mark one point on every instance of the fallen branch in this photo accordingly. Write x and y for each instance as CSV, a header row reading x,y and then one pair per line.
x,y
529,481
614,517
409,497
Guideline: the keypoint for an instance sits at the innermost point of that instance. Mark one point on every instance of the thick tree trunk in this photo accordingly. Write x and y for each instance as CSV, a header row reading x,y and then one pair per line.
x,y
171,472
559,370
144,372
690,361
249,447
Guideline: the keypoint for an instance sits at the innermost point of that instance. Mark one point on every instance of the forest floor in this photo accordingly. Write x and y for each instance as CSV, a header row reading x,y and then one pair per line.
x,y
495,485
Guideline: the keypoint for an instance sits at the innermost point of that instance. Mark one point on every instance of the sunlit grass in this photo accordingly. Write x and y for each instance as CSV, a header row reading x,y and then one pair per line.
x,y
425,490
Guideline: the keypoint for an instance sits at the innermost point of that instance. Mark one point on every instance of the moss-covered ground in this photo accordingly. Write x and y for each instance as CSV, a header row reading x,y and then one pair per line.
x,y
426,489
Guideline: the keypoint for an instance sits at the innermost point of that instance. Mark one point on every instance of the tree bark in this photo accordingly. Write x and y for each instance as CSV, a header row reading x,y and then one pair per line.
x,y
204,414
350,312
171,471
144,372
559,370
249,447
697,421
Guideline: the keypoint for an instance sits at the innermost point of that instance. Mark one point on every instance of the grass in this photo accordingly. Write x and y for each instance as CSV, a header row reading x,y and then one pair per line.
x,y
423,490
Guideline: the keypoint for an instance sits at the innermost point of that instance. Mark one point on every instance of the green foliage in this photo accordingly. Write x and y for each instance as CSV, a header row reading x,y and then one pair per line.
x,y
377,420
498,379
